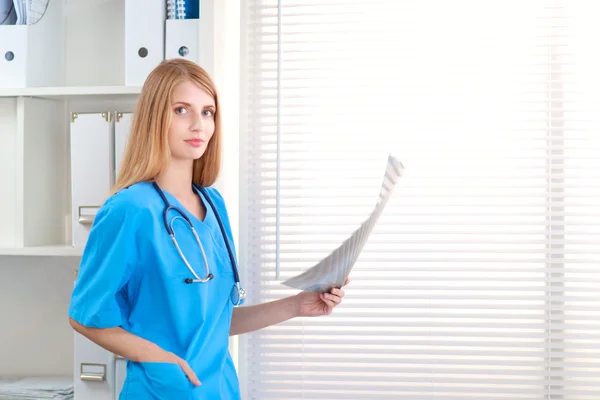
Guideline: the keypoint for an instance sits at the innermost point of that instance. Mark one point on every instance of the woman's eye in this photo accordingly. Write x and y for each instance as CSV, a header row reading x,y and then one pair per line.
x,y
180,110
207,113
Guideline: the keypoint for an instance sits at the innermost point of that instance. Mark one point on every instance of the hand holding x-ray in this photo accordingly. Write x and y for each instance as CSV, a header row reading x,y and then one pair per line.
x,y
333,270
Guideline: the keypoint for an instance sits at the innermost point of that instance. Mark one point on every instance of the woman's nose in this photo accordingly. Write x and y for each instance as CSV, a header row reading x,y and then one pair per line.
x,y
198,123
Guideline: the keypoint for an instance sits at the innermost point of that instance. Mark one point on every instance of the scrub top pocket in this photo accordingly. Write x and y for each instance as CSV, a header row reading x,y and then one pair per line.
x,y
166,381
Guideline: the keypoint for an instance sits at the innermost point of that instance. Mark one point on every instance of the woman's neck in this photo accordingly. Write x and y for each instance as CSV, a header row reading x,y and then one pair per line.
x,y
177,178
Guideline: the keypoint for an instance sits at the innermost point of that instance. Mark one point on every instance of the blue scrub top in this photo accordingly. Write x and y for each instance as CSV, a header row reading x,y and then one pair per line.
x,y
132,276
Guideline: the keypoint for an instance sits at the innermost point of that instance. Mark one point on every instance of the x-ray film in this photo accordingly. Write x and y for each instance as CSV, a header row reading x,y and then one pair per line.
x,y
333,270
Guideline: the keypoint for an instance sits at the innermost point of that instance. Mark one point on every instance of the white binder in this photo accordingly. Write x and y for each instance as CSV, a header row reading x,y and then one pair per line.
x,y
97,141
182,37
122,130
32,55
92,169
120,375
97,376
13,50
144,38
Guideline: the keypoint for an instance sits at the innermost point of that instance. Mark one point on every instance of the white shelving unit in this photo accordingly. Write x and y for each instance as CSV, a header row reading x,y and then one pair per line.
x,y
72,92
37,260
84,45
49,251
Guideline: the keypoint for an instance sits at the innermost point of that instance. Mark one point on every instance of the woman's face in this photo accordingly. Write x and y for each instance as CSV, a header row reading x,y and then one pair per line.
x,y
192,121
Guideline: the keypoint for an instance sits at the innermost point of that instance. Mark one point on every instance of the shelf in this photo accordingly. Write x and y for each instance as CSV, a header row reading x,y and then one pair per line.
x,y
69,92
58,251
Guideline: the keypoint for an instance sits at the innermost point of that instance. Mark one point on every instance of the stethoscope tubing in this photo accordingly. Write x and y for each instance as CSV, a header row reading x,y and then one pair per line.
x,y
204,193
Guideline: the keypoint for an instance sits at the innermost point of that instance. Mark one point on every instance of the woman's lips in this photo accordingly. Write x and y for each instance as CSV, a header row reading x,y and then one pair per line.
x,y
195,142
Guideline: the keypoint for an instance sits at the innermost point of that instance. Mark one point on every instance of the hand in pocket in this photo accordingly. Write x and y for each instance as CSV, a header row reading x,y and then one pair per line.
x,y
168,357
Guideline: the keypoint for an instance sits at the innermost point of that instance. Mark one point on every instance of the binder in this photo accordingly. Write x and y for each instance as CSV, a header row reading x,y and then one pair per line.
x,y
92,170
99,374
122,129
13,50
95,371
144,38
182,37
120,375
33,55
183,9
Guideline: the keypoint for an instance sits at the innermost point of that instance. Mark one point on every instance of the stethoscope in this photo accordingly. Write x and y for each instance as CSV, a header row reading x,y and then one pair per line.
x,y
238,294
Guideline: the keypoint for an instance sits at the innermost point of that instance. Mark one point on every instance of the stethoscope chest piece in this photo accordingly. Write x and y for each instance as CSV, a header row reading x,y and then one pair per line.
x,y
238,295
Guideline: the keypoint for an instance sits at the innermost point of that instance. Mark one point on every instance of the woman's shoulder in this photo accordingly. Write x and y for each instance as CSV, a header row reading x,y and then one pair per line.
x,y
214,193
219,202
134,200
217,198
135,194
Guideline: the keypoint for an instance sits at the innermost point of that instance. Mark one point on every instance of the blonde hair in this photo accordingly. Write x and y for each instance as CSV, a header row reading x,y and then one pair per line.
x,y
147,153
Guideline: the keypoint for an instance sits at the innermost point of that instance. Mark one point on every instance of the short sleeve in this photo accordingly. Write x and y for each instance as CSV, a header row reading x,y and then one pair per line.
x,y
109,258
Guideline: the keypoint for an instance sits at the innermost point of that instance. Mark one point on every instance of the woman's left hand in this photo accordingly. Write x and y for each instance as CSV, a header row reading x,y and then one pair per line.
x,y
312,304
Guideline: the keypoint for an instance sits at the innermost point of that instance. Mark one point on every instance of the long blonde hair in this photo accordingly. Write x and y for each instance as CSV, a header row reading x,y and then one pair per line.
x,y
147,153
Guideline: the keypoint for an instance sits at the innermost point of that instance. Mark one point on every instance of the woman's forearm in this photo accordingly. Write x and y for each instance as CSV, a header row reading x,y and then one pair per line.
x,y
121,342
252,318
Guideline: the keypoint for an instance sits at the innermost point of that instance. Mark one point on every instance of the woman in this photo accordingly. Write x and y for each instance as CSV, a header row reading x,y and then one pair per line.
x,y
135,294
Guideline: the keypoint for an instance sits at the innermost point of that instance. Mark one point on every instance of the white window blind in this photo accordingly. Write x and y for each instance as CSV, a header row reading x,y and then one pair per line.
x,y
482,278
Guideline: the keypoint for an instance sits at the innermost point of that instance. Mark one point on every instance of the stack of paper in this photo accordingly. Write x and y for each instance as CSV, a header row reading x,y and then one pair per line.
x,y
35,10
56,388
333,270
22,12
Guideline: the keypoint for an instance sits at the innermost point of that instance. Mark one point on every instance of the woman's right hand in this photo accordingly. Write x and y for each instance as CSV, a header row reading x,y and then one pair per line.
x,y
132,347
168,357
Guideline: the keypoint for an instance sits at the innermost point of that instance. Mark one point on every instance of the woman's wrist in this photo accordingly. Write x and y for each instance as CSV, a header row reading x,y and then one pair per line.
x,y
152,352
294,306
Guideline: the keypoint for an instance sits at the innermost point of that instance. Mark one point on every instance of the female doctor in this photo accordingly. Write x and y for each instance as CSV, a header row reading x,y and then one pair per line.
x,y
157,283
